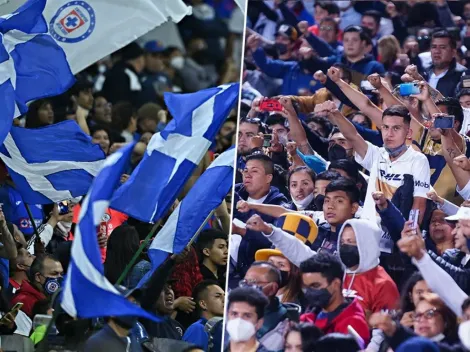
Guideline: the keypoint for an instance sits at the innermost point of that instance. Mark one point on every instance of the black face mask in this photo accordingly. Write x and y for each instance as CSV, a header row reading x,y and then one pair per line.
x,y
126,321
284,278
203,57
317,298
337,152
349,255
319,200
281,48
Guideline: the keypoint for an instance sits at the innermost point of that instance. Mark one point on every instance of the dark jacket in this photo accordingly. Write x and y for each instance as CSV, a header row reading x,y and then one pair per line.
x,y
252,241
447,85
461,275
168,327
107,340
117,86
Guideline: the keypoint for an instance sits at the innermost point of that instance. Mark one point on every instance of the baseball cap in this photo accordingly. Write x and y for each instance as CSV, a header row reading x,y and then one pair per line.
x,y
262,255
287,31
462,213
154,46
126,292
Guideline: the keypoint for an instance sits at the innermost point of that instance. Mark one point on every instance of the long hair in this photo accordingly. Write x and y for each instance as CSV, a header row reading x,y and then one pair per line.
x,y
32,116
406,302
294,285
389,49
122,245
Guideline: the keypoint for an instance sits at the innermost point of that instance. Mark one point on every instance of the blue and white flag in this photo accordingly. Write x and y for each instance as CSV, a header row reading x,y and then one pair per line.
x,y
87,292
206,195
173,155
51,164
89,30
32,64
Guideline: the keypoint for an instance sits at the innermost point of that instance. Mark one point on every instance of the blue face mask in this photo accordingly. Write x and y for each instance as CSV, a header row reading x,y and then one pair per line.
x,y
394,152
161,126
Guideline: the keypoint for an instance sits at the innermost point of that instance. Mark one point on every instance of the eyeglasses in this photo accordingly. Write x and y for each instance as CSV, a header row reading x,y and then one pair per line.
x,y
429,314
326,28
252,283
254,120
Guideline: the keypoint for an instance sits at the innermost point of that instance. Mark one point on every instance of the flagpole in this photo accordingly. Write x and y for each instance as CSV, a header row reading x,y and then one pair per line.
x,y
144,244
138,253
199,230
33,224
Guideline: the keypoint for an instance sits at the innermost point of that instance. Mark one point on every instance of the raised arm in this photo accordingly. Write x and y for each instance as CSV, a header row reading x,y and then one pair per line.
x,y
272,210
345,126
359,99
450,150
8,250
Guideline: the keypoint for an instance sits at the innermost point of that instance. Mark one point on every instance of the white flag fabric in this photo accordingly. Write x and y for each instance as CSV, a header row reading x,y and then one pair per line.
x,y
89,30
241,4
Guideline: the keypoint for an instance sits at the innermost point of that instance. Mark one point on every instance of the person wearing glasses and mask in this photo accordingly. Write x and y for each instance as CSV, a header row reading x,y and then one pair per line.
x,y
267,278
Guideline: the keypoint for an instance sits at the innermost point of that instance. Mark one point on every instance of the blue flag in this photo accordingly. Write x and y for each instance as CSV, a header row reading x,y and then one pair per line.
x,y
87,292
33,65
173,155
52,163
206,195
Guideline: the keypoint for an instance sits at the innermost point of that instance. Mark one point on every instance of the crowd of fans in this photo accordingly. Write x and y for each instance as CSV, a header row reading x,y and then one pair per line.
x,y
351,223
116,101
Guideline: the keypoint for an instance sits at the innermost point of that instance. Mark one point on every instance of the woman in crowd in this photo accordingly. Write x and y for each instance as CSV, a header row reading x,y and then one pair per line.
x,y
40,114
100,135
291,279
301,182
302,338
122,244
411,295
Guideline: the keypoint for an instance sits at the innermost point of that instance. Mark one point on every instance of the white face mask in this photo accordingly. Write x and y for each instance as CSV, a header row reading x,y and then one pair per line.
x,y
302,204
343,4
177,62
240,330
464,334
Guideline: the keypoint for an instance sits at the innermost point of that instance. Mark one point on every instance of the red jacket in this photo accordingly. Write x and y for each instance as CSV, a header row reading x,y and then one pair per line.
x,y
352,315
27,295
374,289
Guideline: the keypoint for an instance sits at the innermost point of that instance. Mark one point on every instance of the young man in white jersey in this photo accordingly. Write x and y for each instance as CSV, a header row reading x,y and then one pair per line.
x,y
387,165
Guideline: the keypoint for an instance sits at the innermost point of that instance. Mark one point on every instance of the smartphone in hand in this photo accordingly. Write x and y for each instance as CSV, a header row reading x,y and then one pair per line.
x,y
414,215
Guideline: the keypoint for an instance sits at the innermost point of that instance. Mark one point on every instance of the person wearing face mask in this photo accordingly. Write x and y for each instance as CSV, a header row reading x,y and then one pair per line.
x,y
245,317
296,75
267,278
322,277
389,164
291,282
44,279
301,181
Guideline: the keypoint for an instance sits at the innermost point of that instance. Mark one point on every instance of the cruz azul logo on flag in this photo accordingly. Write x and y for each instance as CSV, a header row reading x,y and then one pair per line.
x,y
73,22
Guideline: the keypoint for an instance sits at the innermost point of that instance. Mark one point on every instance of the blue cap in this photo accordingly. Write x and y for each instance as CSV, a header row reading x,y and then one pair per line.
x,y
154,46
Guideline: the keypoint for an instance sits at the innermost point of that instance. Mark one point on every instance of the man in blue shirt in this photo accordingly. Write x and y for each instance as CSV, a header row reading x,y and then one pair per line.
x,y
209,298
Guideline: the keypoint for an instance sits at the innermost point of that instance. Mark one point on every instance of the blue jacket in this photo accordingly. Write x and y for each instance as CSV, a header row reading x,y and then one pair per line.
x,y
196,334
252,241
294,78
